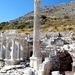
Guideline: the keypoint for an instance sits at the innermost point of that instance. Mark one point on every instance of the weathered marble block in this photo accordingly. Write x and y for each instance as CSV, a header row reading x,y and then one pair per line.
x,y
55,73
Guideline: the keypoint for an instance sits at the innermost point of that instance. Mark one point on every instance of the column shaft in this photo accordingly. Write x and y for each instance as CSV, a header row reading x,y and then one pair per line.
x,y
36,30
13,48
18,53
1,53
7,45
36,59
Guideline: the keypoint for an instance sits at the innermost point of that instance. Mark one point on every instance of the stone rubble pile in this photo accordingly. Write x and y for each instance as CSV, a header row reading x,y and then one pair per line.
x,y
6,68
21,71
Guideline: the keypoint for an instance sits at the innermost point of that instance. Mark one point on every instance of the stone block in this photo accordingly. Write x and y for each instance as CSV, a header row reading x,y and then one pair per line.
x,y
41,72
55,73
74,73
73,63
35,62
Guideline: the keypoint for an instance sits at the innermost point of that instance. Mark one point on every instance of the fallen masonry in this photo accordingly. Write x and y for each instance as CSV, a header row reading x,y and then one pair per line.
x,y
21,71
6,68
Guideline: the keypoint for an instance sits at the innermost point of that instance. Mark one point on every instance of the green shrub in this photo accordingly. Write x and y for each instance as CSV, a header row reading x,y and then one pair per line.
x,y
0,27
70,28
43,16
20,26
7,27
29,26
55,27
55,18
42,22
66,17
64,28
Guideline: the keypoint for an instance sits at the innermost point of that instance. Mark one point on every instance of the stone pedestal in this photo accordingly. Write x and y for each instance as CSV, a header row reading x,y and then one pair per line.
x,y
40,72
11,62
35,62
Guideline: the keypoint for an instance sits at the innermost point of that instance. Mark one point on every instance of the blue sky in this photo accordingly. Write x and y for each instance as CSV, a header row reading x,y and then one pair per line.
x,y
12,9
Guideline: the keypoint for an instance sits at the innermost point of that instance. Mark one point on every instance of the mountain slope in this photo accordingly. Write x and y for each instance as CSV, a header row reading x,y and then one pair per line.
x,y
57,11
52,18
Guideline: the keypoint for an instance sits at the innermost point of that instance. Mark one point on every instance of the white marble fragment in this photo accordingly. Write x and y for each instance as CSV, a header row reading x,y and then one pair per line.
x,y
74,73
6,68
55,73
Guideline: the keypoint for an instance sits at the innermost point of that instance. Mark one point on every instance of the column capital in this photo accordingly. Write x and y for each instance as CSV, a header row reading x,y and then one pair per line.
x,y
37,2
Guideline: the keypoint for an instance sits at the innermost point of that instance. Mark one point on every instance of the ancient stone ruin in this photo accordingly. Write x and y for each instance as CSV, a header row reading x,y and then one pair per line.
x,y
16,47
34,55
12,47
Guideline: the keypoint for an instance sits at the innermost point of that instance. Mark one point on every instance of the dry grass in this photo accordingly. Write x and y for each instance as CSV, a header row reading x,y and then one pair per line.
x,y
54,25
59,25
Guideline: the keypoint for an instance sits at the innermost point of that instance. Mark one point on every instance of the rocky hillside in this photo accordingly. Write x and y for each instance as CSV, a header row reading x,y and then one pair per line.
x,y
52,18
55,11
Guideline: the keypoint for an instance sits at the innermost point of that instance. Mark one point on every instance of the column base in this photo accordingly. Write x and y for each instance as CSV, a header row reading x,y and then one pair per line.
x,y
11,62
35,62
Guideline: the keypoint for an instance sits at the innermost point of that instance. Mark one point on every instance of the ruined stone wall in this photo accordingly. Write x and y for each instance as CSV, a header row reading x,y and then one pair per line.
x,y
44,68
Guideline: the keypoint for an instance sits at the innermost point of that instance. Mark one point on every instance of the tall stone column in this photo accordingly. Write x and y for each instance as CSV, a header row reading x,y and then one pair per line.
x,y
36,28
13,46
1,53
21,52
1,50
35,60
7,45
18,53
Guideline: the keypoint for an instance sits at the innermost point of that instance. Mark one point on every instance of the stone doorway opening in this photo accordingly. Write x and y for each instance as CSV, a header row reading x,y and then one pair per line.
x,y
31,53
